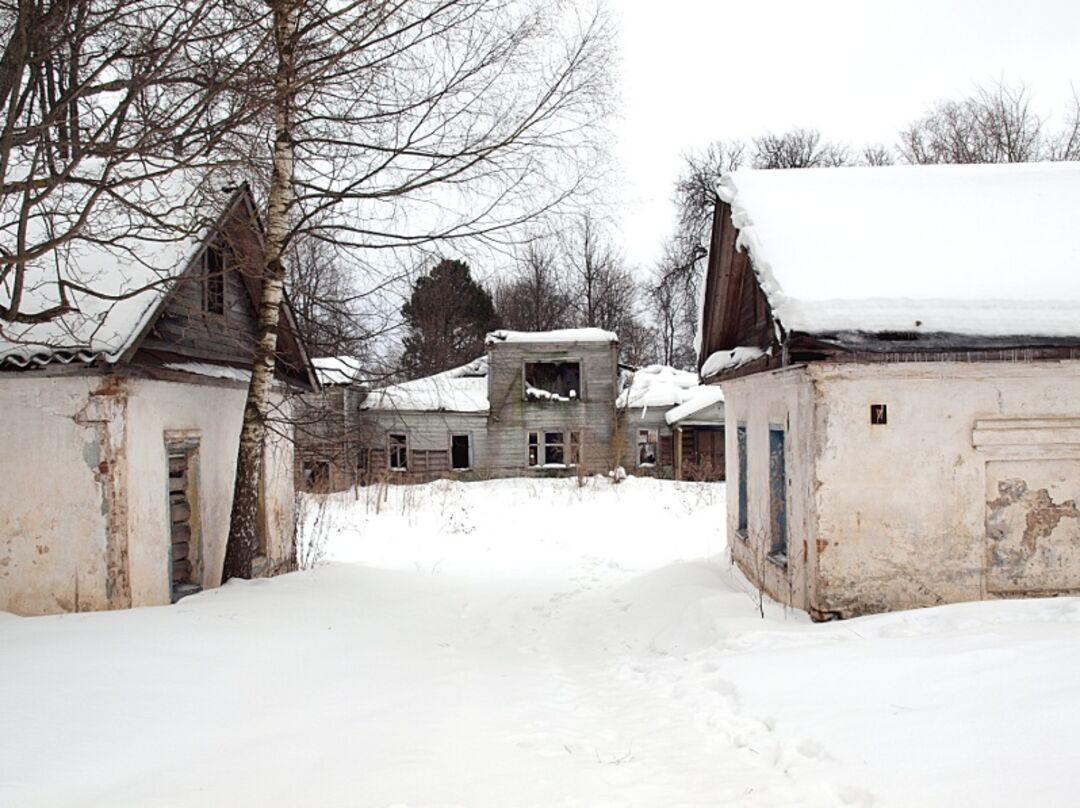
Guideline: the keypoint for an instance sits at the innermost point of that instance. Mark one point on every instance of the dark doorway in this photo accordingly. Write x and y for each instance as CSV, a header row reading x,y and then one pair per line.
x,y
459,452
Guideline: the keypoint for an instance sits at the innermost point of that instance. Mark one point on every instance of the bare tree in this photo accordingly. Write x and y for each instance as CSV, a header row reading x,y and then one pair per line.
x,y
995,124
113,115
799,148
402,123
536,297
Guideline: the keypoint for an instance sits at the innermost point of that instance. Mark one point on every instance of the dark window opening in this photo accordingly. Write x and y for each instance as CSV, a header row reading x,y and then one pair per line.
x,y
316,475
214,280
552,381
879,414
553,448
398,452
459,452
534,449
777,497
740,439
646,447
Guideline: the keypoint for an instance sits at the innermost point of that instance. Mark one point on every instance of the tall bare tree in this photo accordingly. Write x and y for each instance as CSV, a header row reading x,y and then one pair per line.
x,y
401,123
536,297
995,124
111,118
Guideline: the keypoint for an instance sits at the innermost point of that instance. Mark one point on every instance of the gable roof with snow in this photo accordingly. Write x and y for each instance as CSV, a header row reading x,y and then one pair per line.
x,y
337,370
461,389
979,250
118,288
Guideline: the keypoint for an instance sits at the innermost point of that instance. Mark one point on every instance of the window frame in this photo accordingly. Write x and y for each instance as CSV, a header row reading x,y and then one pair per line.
x,y
779,544
469,450
743,484
215,276
648,432
391,447
568,360
569,445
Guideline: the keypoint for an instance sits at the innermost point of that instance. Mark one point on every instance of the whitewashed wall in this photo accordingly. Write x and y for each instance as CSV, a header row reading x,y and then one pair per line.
x,y
968,491
84,513
757,402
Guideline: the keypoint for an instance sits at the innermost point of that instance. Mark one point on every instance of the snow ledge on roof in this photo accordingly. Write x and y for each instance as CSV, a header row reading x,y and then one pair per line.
x,y
560,335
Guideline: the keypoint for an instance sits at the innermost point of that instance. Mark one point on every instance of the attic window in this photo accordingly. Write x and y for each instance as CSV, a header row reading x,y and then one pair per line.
x,y
214,280
879,414
552,381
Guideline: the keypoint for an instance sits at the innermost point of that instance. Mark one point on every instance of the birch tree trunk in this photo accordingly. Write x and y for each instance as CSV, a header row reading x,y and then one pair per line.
x,y
243,542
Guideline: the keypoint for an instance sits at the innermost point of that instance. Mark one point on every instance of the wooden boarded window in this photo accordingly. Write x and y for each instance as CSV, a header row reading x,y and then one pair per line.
x,y
184,550
740,440
777,496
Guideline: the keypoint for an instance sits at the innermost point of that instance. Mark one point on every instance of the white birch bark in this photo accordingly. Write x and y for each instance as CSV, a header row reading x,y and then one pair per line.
x,y
243,542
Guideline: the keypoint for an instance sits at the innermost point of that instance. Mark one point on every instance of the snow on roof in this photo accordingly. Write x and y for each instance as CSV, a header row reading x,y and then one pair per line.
x,y
211,370
702,398
729,359
337,369
131,249
663,386
657,386
988,250
462,389
560,335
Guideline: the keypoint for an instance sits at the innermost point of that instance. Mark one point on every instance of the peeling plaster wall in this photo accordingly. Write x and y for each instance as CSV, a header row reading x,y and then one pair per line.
x,y
83,491
53,511
780,398
906,513
213,416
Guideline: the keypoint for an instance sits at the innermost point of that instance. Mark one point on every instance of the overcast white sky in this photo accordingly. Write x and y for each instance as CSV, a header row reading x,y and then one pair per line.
x,y
692,71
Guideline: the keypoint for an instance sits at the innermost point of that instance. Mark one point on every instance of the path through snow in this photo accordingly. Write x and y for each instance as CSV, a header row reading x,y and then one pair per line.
x,y
532,643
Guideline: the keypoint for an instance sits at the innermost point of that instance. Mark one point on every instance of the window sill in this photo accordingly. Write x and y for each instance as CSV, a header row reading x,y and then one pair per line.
x,y
779,559
646,465
741,534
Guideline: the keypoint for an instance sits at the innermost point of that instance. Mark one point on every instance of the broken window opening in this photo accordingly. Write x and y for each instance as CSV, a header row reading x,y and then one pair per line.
x,y
214,279
552,381
647,440
398,451
553,450
460,453
534,449
879,414
317,475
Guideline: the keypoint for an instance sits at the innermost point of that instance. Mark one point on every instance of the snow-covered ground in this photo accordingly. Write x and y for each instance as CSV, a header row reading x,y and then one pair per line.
x,y
533,643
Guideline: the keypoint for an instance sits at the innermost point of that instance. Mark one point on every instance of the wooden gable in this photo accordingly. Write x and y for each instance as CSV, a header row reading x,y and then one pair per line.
x,y
210,314
736,312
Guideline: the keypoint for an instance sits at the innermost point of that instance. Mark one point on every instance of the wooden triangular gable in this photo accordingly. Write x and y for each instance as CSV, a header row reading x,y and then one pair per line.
x,y
210,313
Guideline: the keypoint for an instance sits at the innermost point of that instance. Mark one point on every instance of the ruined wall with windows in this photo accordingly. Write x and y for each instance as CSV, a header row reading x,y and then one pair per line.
x,y
553,406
